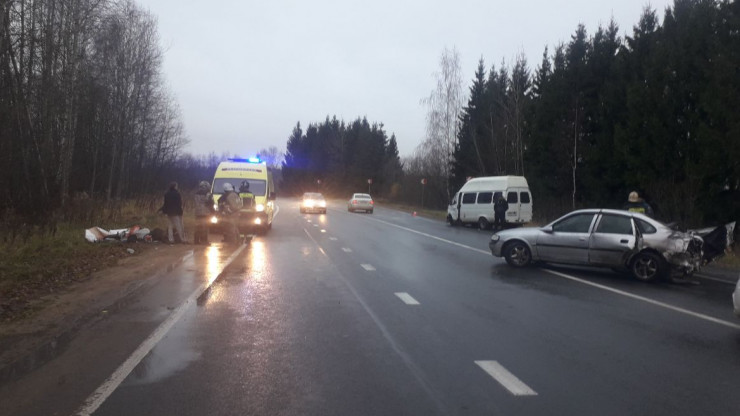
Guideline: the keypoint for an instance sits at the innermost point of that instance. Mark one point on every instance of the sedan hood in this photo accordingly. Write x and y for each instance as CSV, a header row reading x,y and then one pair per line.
x,y
524,232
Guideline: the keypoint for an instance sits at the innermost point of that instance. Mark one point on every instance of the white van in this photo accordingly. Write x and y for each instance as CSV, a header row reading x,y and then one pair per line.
x,y
473,203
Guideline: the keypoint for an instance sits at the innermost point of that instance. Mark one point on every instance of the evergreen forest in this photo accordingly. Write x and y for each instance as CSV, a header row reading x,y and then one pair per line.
x,y
657,111
85,116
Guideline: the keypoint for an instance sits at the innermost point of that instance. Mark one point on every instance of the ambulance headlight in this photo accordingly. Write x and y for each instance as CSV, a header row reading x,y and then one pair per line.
x,y
214,220
258,221
322,204
260,207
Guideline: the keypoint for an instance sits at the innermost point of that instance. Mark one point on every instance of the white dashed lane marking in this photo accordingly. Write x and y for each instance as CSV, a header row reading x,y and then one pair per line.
x,y
346,250
333,238
368,267
406,298
323,231
505,378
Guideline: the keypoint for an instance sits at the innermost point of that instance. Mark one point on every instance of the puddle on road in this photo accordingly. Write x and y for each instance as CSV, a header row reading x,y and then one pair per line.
x,y
174,353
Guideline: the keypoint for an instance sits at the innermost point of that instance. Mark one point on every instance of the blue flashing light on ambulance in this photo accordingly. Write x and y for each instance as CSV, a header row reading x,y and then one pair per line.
x,y
257,215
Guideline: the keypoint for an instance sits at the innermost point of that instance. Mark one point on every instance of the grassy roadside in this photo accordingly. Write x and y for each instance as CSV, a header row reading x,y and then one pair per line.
x,y
428,213
47,264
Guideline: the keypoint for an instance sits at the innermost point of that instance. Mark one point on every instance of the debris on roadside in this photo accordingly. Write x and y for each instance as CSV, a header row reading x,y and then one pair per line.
x,y
130,235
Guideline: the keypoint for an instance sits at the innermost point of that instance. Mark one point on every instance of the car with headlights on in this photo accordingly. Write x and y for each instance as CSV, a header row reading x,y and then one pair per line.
x,y
361,202
313,202
620,240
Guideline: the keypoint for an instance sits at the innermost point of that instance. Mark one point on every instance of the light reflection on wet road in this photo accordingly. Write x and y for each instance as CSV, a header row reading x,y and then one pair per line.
x,y
297,327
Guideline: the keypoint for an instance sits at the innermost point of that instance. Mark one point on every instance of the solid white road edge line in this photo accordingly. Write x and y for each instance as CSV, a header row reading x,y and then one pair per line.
x,y
431,236
505,378
109,386
575,279
406,298
644,299
368,267
703,276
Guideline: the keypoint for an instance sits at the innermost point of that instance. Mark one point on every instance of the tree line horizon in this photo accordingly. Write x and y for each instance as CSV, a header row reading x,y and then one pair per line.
x,y
656,112
84,113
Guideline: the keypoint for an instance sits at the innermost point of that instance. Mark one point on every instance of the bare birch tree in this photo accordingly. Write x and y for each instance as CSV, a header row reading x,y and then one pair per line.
x,y
444,106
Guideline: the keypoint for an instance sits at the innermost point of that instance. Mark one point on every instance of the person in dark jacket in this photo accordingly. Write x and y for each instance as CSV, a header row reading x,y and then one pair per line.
x,y
203,201
637,204
500,206
172,208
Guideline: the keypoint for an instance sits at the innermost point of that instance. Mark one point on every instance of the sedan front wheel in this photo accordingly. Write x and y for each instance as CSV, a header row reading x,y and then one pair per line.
x,y
517,254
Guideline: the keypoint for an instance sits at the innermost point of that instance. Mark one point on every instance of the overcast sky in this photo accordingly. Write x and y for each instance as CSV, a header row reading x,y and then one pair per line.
x,y
244,72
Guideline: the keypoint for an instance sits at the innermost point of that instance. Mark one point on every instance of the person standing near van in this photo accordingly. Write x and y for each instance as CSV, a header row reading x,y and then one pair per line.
x,y
500,206
229,205
203,201
637,204
172,208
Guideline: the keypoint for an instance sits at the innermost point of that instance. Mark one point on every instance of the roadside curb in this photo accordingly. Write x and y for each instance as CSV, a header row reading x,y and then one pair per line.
x,y
55,341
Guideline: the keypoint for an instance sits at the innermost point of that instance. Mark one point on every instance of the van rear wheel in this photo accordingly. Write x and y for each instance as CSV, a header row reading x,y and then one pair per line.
x,y
483,224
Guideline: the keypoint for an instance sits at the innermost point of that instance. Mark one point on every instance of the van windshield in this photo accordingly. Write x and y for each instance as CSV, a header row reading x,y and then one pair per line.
x,y
256,186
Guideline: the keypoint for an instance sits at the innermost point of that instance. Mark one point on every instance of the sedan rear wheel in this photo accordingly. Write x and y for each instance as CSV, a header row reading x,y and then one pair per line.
x,y
647,267
517,254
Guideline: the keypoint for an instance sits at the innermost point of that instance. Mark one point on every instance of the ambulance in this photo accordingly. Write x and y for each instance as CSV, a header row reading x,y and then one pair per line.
x,y
257,215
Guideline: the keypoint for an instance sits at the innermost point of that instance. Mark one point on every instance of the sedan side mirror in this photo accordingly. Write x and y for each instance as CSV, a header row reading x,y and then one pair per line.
x,y
548,229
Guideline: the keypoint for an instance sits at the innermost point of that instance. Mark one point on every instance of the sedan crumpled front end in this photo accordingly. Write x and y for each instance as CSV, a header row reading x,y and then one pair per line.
x,y
683,252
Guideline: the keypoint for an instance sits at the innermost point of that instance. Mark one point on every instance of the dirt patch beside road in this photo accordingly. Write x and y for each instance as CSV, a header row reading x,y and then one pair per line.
x,y
58,315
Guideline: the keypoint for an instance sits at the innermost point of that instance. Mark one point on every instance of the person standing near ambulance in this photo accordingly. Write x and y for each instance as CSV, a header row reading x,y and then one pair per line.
x,y
229,205
246,195
172,208
203,201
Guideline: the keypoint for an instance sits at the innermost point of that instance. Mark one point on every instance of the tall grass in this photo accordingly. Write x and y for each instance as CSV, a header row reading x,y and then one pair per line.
x,y
47,256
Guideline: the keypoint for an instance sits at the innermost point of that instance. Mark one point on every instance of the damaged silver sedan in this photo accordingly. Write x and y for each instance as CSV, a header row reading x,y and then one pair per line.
x,y
619,240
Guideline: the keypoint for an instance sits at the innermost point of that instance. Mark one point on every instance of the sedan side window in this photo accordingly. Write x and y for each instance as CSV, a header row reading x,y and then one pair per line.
x,y
615,224
579,223
645,227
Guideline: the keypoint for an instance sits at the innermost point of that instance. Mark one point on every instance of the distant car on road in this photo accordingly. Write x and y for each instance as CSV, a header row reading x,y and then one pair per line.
x,y
361,202
736,298
313,202
620,240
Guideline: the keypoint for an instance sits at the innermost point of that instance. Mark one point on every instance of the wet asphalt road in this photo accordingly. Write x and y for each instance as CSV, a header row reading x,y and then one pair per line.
x,y
390,314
